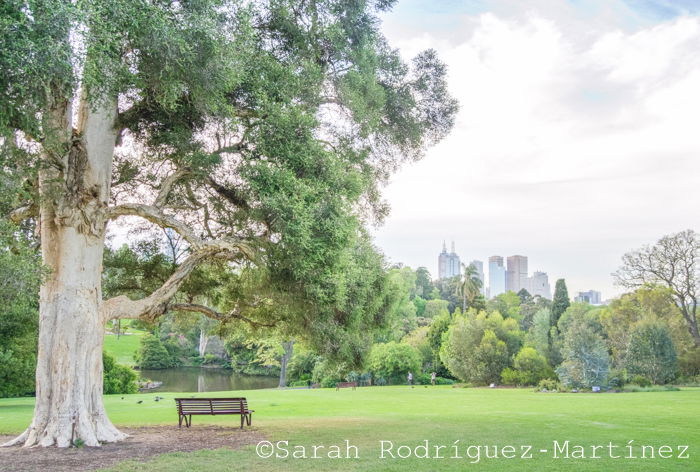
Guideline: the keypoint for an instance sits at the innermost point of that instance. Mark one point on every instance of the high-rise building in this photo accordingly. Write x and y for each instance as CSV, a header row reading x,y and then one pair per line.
x,y
590,296
448,263
516,273
479,265
497,276
538,284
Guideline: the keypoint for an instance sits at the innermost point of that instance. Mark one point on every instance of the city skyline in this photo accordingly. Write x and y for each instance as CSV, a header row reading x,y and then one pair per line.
x,y
512,277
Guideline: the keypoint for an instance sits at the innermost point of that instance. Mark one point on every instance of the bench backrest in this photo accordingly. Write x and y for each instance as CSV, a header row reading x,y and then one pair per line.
x,y
187,406
346,384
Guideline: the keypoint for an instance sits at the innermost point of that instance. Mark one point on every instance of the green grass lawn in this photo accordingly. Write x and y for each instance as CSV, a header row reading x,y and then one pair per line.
x,y
441,415
123,348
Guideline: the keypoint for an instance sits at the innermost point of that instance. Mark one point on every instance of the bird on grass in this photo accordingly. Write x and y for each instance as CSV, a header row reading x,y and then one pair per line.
x,y
140,401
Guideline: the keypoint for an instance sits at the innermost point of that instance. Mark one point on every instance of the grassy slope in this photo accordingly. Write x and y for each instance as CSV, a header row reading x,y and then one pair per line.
x,y
123,348
439,414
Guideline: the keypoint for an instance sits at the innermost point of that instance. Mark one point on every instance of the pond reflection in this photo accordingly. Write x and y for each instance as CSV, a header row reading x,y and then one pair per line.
x,y
198,379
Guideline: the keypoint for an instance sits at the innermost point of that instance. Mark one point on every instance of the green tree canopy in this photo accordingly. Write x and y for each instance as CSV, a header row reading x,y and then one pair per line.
x,y
393,361
529,367
20,275
646,303
424,283
673,262
586,360
477,347
651,353
560,301
470,287
507,304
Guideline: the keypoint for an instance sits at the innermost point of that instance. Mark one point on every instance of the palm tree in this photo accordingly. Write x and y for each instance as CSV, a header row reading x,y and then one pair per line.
x,y
470,286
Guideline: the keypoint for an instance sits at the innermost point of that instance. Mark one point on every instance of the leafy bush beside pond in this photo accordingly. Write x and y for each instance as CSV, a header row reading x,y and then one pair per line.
x,y
117,378
152,354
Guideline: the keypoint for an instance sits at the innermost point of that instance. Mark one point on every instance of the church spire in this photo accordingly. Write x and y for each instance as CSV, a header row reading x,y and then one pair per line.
x,y
444,246
453,247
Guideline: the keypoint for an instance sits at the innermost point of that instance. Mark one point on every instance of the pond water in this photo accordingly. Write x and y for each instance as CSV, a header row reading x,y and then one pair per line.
x,y
199,379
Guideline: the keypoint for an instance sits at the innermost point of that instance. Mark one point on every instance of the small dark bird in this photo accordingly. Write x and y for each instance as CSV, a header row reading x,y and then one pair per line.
x,y
122,398
157,399
140,401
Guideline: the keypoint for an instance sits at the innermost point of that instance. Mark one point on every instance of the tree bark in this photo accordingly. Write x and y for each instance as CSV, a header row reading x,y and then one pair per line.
x,y
286,357
75,195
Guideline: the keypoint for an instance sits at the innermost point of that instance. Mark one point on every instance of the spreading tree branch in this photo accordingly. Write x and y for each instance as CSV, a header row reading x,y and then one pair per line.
x,y
167,186
156,216
154,305
22,213
213,314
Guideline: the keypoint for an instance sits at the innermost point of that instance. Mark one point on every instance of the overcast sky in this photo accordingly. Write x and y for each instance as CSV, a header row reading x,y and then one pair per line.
x,y
578,137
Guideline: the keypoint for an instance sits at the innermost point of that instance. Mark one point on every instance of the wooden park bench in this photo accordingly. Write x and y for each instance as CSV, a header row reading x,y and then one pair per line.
x,y
340,385
186,407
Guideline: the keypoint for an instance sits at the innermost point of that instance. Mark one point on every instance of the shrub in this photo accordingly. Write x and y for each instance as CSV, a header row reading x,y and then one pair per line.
x,y
20,276
364,379
153,355
302,364
325,369
117,378
210,359
640,380
477,348
16,373
424,379
393,361
586,360
329,382
617,378
549,385
443,381
421,379
651,388
418,338
530,368
690,363
178,347
650,352
510,376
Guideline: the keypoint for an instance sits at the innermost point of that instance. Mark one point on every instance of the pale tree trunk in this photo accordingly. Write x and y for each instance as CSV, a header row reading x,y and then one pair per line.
x,y
286,357
71,324
203,342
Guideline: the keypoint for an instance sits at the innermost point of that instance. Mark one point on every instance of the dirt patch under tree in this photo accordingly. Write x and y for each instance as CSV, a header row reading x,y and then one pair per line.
x,y
144,443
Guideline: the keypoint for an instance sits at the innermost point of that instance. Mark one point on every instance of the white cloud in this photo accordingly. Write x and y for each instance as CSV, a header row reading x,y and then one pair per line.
x,y
571,147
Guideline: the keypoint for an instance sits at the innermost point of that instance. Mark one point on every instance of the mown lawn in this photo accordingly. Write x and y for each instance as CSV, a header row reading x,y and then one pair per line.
x,y
441,415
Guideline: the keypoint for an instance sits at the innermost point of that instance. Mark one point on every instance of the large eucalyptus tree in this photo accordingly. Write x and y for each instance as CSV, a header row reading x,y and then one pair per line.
x,y
260,132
